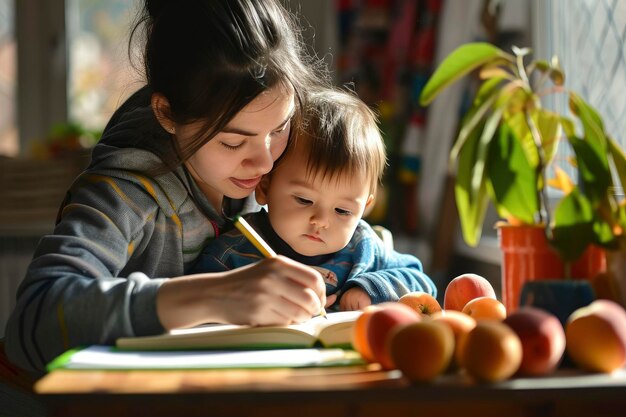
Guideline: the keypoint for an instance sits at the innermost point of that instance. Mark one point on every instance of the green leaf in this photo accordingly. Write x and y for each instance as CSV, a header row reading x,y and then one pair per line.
x,y
573,226
549,125
487,90
591,152
482,103
460,62
513,180
541,64
593,170
482,150
603,234
568,127
518,125
591,121
471,204
619,161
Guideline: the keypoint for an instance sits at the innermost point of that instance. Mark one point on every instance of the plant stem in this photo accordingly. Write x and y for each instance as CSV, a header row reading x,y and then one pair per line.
x,y
542,192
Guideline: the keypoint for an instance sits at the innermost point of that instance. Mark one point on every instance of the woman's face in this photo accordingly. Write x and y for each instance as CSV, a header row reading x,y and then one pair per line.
x,y
233,162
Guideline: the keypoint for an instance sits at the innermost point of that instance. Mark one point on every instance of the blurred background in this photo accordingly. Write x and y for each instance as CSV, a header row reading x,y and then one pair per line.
x,y
65,67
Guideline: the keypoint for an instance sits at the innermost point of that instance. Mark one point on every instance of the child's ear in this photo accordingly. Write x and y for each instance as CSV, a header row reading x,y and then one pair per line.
x,y
368,206
161,109
260,193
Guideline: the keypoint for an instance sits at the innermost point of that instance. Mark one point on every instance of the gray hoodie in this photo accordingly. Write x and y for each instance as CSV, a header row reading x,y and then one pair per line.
x,y
121,231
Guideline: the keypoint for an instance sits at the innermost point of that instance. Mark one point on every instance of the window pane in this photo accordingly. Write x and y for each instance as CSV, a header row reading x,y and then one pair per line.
x,y
593,58
593,55
100,75
8,71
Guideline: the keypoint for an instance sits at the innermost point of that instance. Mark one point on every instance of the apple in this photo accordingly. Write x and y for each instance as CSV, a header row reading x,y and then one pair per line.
x,y
379,326
422,302
596,336
482,308
491,351
421,350
464,288
359,332
460,324
542,337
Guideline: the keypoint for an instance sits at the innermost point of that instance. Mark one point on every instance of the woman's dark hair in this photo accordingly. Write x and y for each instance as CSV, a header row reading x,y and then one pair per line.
x,y
210,58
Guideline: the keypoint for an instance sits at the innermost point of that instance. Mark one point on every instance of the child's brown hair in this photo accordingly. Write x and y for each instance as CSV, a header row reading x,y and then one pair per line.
x,y
342,136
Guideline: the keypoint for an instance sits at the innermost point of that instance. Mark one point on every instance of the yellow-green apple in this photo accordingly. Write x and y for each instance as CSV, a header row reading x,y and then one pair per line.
x,y
422,302
491,351
421,350
542,337
464,288
596,336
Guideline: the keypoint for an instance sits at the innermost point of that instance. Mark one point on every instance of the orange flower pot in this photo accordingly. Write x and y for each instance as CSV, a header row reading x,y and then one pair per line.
x,y
527,256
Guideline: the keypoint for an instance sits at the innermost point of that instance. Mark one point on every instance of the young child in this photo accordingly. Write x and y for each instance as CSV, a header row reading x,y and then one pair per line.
x,y
316,196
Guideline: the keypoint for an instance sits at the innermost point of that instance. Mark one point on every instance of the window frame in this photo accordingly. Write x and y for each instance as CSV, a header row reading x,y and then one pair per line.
x,y
42,64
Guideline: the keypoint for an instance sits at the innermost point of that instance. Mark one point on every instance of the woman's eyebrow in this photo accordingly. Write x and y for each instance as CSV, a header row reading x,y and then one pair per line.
x,y
238,131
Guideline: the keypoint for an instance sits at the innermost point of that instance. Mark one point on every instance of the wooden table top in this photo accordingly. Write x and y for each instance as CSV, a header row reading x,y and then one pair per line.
x,y
354,391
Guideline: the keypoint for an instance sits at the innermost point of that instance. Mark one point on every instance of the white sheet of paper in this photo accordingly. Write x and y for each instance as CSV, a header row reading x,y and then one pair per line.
x,y
104,357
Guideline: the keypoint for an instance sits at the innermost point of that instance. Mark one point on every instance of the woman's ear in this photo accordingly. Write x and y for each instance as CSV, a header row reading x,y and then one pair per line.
x,y
161,109
260,193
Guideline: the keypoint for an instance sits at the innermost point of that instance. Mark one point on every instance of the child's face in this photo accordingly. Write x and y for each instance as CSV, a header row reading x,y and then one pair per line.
x,y
312,215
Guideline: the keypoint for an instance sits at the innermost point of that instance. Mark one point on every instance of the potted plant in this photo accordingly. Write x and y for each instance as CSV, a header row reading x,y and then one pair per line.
x,y
506,144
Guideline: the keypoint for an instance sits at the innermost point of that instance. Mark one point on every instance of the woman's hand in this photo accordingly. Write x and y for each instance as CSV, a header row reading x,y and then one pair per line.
x,y
274,291
354,299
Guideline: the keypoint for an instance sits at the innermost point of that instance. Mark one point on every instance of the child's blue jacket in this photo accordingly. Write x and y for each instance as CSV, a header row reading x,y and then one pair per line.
x,y
365,262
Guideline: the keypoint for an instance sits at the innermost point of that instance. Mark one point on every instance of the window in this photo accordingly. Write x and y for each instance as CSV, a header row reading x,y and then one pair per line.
x,y
589,37
8,74
100,74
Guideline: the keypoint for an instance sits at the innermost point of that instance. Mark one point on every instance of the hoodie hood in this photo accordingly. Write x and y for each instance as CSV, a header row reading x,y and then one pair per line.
x,y
133,126
134,145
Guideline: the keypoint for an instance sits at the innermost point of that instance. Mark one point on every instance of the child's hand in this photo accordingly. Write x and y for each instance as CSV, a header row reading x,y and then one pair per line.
x,y
330,300
354,299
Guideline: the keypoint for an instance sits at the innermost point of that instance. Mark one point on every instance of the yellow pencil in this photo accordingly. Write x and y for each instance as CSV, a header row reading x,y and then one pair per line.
x,y
248,231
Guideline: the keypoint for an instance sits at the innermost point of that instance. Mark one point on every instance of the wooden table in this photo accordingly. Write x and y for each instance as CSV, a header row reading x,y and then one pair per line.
x,y
352,391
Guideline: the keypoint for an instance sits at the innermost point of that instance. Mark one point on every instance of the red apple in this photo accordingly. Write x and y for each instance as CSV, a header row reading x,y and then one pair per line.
x,y
542,337
380,325
465,288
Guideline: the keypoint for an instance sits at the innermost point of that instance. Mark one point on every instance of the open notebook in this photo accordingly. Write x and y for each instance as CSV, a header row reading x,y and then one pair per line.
x,y
333,331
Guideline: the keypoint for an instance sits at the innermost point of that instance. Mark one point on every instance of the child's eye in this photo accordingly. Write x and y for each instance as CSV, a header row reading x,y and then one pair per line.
x,y
343,212
303,201
231,147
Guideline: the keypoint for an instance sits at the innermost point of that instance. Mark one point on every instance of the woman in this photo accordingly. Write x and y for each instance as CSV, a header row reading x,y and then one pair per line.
x,y
225,81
